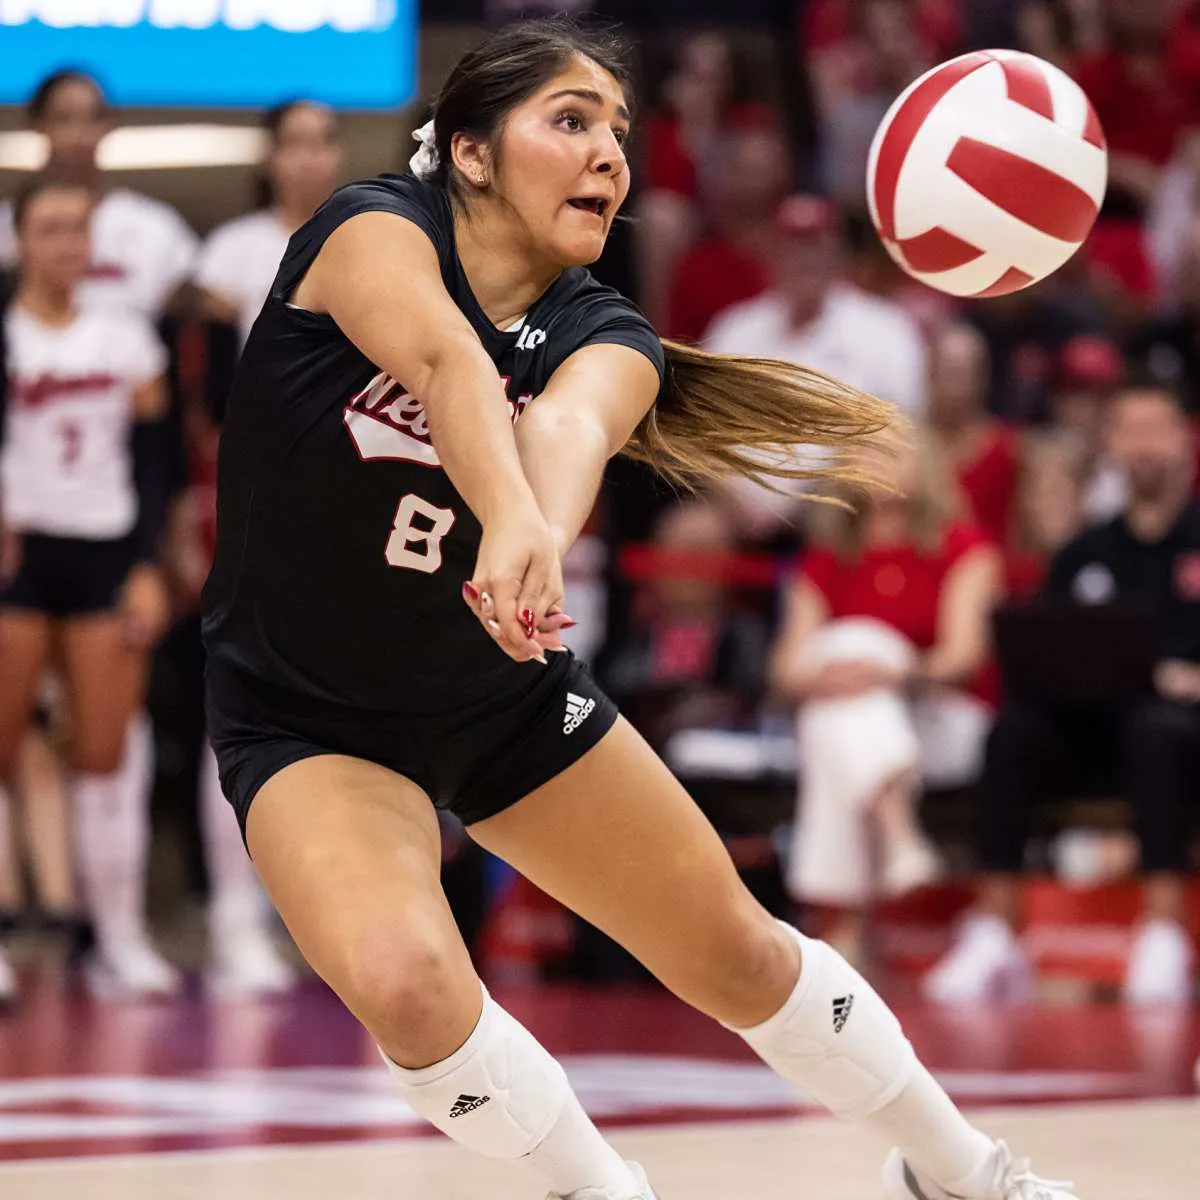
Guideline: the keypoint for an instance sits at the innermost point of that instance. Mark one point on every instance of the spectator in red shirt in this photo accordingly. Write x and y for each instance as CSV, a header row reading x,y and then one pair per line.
x,y
861,54
885,631
732,262
981,450
1139,94
828,25
1144,90
691,660
679,148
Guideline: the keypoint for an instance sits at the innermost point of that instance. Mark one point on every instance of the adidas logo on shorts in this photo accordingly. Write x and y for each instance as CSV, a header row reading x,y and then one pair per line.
x,y
467,1104
578,711
841,1011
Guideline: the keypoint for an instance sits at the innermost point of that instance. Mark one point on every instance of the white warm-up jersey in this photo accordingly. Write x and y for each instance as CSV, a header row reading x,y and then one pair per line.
x,y
65,466
142,250
239,262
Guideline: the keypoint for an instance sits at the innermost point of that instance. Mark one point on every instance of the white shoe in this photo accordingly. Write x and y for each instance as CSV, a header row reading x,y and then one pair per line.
x,y
248,964
908,865
8,983
645,1192
985,963
133,971
1161,968
1014,1181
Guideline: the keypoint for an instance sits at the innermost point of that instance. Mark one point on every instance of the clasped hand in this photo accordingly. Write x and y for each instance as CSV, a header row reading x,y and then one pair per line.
x,y
516,590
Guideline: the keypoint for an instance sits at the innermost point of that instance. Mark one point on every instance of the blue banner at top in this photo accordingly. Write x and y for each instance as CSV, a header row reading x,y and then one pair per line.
x,y
216,53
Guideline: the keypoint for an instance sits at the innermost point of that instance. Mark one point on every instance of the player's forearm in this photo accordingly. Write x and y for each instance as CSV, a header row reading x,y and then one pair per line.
x,y
563,459
950,665
471,428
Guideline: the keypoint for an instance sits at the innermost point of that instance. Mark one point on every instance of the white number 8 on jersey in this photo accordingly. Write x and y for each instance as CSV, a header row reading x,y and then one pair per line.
x,y
412,547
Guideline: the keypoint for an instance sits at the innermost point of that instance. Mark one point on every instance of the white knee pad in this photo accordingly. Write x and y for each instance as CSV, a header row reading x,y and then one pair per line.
x,y
498,1095
834,1038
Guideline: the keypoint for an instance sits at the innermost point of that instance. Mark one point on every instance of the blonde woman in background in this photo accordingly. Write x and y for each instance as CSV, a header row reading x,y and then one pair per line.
x,y
1048,507
884,646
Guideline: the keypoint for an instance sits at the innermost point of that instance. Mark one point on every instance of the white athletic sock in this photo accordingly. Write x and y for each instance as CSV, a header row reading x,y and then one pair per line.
x,y
837,1041
503,1096
112,833
936,1138
235,898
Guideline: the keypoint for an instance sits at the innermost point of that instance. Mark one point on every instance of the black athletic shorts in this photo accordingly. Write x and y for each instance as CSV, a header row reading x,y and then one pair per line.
x,y
69,577
476,763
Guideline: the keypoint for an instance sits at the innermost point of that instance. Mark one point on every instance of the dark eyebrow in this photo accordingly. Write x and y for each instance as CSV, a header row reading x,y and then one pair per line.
x,y
594,97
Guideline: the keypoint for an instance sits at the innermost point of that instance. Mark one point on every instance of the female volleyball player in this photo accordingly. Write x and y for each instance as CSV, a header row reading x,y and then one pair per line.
x,y
83,495
418,430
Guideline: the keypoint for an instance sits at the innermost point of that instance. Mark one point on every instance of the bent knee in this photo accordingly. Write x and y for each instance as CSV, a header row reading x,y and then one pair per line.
x,y
410,988
751,968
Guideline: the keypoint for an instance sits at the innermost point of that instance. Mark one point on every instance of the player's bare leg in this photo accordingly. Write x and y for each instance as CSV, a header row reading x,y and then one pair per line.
x,y
618,840
350,854
106,680
24,648
47,824
245,960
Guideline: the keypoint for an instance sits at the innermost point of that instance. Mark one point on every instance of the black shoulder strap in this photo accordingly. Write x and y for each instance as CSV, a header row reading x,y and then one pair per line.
x,y
373,195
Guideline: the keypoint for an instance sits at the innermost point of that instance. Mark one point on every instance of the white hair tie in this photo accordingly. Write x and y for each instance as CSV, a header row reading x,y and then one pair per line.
x,y
424,163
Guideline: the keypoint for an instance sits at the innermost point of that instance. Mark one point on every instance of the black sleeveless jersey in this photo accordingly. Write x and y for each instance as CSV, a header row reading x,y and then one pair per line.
x,y
342,546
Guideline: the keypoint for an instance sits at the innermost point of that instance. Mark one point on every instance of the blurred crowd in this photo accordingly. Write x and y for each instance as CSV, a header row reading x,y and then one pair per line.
x,y
768,643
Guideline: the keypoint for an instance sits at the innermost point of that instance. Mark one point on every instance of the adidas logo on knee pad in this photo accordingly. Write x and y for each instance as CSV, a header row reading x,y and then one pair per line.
x,y
467,1104
841,1011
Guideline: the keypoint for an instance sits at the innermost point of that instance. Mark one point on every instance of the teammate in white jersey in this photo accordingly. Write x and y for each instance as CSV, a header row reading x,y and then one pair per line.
x,y
142,249
235,270
83,494
240,258
142,253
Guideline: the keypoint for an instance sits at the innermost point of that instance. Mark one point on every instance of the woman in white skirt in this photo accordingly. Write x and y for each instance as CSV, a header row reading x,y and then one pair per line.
x,y
884,647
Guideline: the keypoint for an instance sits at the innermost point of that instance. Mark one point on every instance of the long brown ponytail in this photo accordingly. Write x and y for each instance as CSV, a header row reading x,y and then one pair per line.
x,y
725,414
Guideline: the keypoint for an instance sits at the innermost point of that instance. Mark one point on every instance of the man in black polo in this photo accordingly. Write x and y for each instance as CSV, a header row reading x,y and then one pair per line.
x,y
1149,557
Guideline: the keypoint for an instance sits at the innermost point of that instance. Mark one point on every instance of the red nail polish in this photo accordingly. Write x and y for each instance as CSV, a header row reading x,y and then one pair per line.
x,y
529,621
471,592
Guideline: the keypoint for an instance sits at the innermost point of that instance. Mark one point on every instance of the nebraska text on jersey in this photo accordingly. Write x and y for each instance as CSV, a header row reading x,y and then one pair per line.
x,y
387,422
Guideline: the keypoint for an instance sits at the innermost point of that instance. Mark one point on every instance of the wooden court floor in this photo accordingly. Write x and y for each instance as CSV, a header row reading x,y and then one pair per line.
x,y
202,1099
1144,1150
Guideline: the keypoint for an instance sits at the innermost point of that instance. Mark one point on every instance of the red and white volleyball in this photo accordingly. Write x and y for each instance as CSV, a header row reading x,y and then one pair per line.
x,y
987,173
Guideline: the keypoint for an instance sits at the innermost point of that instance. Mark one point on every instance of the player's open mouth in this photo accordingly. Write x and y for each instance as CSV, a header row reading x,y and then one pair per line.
x,y
598,205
